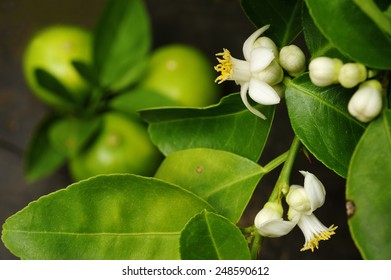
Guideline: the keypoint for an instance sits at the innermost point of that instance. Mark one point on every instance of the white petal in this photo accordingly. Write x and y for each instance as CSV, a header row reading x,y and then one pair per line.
x,y
243,94
314,189
262,93
260,58
249,43
275,228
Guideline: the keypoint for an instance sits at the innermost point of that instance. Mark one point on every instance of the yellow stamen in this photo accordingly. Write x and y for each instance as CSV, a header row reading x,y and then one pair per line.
x,y
314,242
224,66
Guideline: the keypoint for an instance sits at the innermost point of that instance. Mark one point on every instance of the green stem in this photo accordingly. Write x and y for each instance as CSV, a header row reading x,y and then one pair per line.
x,y
282,185
275,162
256,246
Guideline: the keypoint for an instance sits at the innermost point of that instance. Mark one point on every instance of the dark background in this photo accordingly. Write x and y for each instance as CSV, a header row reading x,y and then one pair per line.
x,y
209,25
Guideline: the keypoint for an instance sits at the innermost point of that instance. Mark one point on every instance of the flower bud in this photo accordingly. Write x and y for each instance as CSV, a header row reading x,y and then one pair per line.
x,y
272,75
351,74
269,222
266,42
298,199
292,59
324,71
366,102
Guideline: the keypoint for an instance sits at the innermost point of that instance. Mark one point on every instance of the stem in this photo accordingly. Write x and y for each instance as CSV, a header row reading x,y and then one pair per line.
x,y
282,185
275,162
256,246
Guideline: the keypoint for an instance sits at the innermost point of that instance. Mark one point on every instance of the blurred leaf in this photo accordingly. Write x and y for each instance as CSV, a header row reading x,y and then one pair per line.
x,y
69,135
138,99
368,187
122,41
105,217
317,44
211,237
284,16
42,158
320,119
225,126
225,180
50,83
350,30
86,71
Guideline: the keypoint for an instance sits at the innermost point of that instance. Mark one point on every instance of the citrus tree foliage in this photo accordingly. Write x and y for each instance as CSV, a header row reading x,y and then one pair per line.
x,y
191,207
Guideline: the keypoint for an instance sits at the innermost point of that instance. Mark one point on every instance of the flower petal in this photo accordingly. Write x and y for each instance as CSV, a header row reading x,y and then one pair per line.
x,y
260,58
249,43
275,228
243,94
263,93
314,189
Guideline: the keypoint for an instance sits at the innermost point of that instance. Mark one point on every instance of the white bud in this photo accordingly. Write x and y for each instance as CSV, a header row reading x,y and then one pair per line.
x,y
298,199
266,42
351,74
272,75
366,102
269,222
292,59
324,71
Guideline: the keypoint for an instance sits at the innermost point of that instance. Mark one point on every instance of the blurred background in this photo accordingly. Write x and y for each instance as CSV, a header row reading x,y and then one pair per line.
x,y
209,25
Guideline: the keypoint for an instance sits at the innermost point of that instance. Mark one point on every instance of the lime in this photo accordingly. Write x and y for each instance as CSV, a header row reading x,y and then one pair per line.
x,y
183,74
122,146
53,49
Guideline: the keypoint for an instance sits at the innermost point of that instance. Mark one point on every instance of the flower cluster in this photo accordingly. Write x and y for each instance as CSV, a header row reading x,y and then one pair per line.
x,y
261,72
366,102
302,201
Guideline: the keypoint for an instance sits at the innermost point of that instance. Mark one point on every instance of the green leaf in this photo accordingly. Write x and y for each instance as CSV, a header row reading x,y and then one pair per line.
x,y
41,158
317,44
351,31
225,180
86,71
137,99
370,8
226,126
105,217
368,187
69,135
320,119
209,236
283,15
50,83
122,41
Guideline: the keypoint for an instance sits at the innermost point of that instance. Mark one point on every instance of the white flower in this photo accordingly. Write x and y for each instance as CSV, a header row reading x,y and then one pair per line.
x,y
292,59
324,71
269,222
351,74
302,202
366,102
256,74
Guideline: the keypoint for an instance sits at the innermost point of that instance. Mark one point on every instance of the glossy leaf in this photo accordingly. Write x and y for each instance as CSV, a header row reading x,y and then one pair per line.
x,y
317,44
320,119
226,126
368,187
209,236
137,99
122,41
42,159
284,16
225,180
351,30
69,135
105,217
